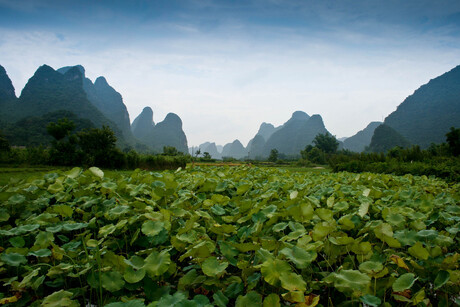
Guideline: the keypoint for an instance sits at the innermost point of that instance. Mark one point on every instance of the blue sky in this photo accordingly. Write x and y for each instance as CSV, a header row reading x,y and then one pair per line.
x,y
227,66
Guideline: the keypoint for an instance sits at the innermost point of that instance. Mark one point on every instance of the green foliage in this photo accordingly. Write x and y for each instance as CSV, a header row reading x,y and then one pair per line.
x,y
435,161
4,144
273,157
453,140
229,236
61,129
326,143
170,151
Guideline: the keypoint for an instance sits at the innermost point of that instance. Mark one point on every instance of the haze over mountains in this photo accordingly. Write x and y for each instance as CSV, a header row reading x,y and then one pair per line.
x,y
421,119
68,92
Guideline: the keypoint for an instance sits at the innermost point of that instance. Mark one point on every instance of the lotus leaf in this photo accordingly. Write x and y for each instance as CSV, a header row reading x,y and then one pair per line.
x,y
212,267
370,300
292,282
299,256
418,251
152,228
13,259
272,270
252,298
347,280
157,263
441,279
59,299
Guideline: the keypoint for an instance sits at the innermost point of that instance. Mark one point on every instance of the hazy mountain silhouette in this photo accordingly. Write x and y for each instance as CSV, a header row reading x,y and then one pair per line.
x,y
427,115
235,150
106,99
210,148
385,138
361,139
48,91
166,133
298,132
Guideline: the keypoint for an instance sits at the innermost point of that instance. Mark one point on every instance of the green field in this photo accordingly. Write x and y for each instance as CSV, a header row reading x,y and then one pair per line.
x,y
225,236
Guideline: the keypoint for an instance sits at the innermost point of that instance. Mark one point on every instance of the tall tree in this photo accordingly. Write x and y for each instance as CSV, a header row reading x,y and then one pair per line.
x,y
326,142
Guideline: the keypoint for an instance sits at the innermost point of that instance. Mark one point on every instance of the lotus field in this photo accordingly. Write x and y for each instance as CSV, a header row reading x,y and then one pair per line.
x,y
229,236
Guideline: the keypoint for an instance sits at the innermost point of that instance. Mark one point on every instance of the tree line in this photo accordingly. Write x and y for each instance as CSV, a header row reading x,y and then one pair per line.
x,y
87,147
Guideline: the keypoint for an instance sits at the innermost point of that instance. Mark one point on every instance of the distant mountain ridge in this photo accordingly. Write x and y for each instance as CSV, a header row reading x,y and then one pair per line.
x,y
69,93
361,139
166,133
427,115
106,99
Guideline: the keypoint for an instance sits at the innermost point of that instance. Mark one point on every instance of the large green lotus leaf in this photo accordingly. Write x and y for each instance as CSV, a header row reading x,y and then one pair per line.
x,y
441,279
44,239
299,256
228,251
157,263
59,299
404,282
279,227
324,214
133,276
363,209
383,230
56,187
344,240
62,210
132,303
419,251
200,250
321,230
212,267
23,229
294,296
152,228
347,280
427,234
218,210
292,282
370,300
442,240
371,267
135,262
220,299
234,289
361,248
106,230
41,253
177,299
4,215
74,226
406,237
252,298
17,242
395,219
26,281
341,206
74,172
202,301
96,172
301,212
272,270
243,188
13,259
112,281
272,300
16,199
